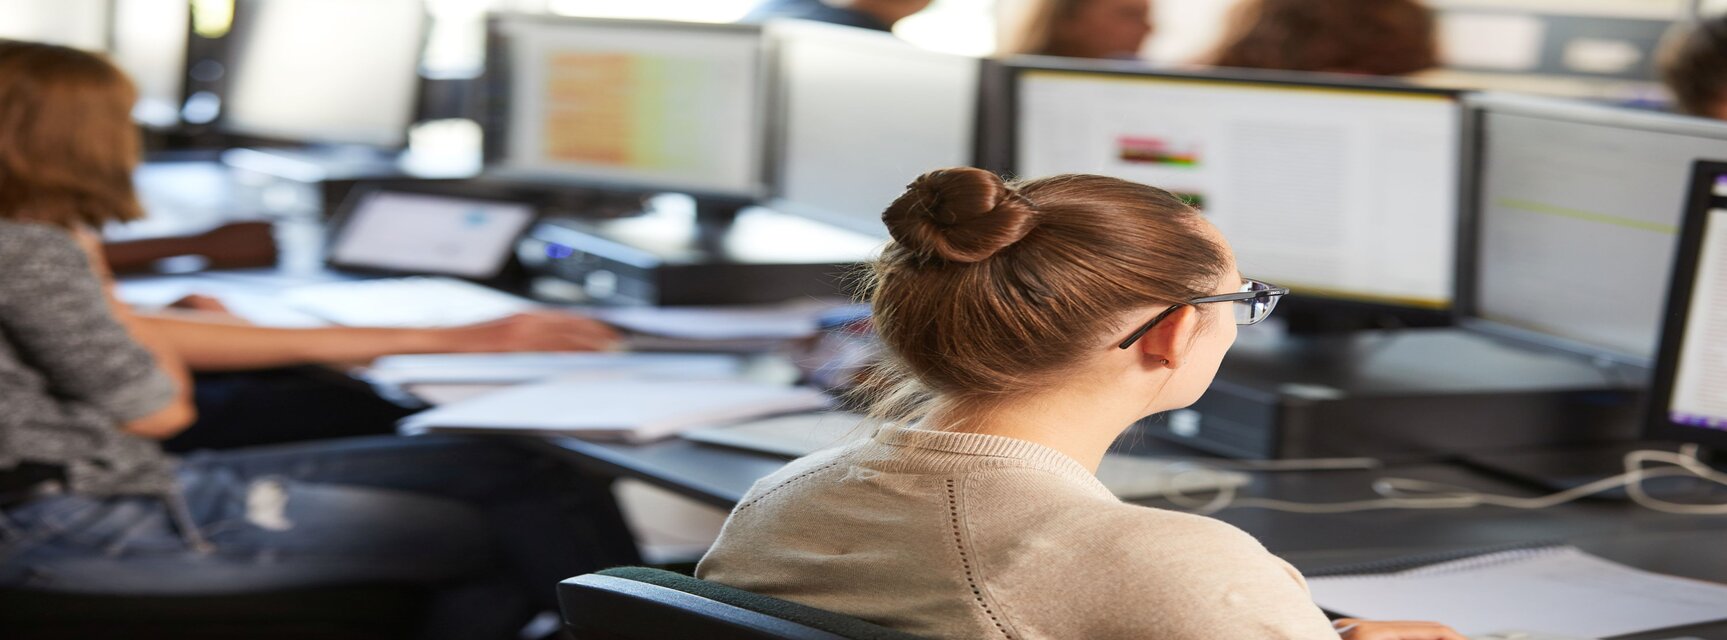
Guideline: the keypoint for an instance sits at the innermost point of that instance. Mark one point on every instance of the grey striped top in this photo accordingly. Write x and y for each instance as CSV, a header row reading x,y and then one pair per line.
x,y
70,374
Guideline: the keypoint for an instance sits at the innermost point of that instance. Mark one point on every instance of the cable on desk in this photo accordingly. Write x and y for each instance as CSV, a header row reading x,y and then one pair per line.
x,y
1406,493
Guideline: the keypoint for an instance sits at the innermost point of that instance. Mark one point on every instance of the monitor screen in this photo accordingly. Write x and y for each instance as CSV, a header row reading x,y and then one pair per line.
x,y
429,234
73,23
1690,393
325,71
150,38
1334,191
862,113
637,104
1576,215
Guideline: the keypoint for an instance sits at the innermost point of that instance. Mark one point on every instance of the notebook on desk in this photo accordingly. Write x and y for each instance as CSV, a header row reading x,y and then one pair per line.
x,y
1553,589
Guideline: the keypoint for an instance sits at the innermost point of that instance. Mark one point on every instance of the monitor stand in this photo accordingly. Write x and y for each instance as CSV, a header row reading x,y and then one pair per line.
x,y
1565,468
1307,317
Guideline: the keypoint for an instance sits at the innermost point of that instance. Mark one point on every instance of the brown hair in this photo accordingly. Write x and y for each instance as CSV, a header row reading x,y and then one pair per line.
x,y
1033,30
1380,37
991,288
67,143
1694,65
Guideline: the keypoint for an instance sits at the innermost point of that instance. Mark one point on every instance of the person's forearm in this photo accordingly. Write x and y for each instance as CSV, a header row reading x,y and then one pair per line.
x,y
212,346
136,256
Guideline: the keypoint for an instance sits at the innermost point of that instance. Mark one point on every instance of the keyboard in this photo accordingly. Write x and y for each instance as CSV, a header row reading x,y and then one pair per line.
x,y
1126,476
421,301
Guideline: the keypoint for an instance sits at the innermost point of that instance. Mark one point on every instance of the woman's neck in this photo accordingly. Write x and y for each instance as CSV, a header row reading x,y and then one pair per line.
x,y
1080,424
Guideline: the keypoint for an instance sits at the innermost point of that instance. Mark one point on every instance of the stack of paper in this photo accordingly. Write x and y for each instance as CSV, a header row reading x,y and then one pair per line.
x,y
633,410
513,368
716,328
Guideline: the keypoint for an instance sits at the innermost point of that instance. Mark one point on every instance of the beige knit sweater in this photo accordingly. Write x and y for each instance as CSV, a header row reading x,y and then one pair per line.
x,y
956,535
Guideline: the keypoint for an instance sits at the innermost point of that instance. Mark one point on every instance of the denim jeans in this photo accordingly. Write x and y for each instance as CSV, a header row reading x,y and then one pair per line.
x,y
488,527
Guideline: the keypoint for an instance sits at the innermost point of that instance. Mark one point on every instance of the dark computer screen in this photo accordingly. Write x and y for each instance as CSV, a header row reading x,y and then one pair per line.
x,y
1689,397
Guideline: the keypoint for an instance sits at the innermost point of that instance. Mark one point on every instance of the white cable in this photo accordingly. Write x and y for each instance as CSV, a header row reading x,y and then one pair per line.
x,y
1406,493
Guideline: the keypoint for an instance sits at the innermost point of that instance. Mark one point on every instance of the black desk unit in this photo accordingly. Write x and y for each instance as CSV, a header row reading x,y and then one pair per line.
x,y
1691,546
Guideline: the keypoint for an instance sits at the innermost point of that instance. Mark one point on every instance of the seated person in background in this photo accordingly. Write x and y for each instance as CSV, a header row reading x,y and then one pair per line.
x,y
1029,325
90,504
264,385
1694,67
880,15
1078,28
258,386
1370,37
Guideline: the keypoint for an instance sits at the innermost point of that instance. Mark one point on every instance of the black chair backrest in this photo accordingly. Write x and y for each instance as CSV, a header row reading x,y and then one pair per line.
x,y
638,603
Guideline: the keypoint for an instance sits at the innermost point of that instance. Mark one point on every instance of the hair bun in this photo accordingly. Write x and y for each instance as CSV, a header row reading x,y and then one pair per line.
x,y
959,215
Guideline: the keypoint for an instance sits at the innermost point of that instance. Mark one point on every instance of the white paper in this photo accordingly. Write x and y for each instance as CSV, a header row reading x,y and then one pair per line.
x,y
1560,590
717,323
616,409
532,367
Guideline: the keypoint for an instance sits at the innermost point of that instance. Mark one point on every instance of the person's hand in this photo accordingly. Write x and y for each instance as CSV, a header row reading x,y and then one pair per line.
x,y
201,303
536,331
1352,629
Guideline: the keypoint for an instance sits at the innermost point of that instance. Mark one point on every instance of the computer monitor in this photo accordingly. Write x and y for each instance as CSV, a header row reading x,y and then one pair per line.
x,y
149,43
325,71
73,23
1338,189
859,114
642,105
1688,401
1574,214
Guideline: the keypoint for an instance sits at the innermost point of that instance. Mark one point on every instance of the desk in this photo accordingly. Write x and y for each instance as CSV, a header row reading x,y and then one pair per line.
x,y
1680,545
1692,546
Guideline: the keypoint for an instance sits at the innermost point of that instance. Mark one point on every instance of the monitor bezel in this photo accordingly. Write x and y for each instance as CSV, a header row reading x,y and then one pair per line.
x,y
1005,122
1466,303
244,19
495,119
1698,207
779,32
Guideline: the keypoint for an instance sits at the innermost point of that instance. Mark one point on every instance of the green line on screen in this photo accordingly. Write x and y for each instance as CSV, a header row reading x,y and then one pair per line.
x,y
1589,216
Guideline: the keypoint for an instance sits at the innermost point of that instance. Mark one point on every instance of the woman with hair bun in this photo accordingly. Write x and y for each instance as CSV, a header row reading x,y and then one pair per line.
x,y
1026,326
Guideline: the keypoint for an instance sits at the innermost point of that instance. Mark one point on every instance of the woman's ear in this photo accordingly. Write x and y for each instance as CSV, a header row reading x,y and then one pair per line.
x,y
1168,343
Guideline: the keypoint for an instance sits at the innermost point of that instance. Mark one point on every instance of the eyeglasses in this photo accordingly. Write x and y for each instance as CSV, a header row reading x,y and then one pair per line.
x,y
1252,304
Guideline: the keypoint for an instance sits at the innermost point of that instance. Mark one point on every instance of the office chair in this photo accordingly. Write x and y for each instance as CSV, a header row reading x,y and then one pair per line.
x,y
639,603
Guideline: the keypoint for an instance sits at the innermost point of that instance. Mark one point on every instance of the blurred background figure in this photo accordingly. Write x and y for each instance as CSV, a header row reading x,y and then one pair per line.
x,y
1372,37
1694,67
1078,28
880,15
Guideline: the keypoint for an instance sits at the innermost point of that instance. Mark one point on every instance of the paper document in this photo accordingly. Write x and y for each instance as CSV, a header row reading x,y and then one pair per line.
x,y
1553,590
503,368
718,323
629,410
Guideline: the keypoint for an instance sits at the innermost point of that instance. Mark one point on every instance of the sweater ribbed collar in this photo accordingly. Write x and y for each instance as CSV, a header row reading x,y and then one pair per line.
x,y
960,451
